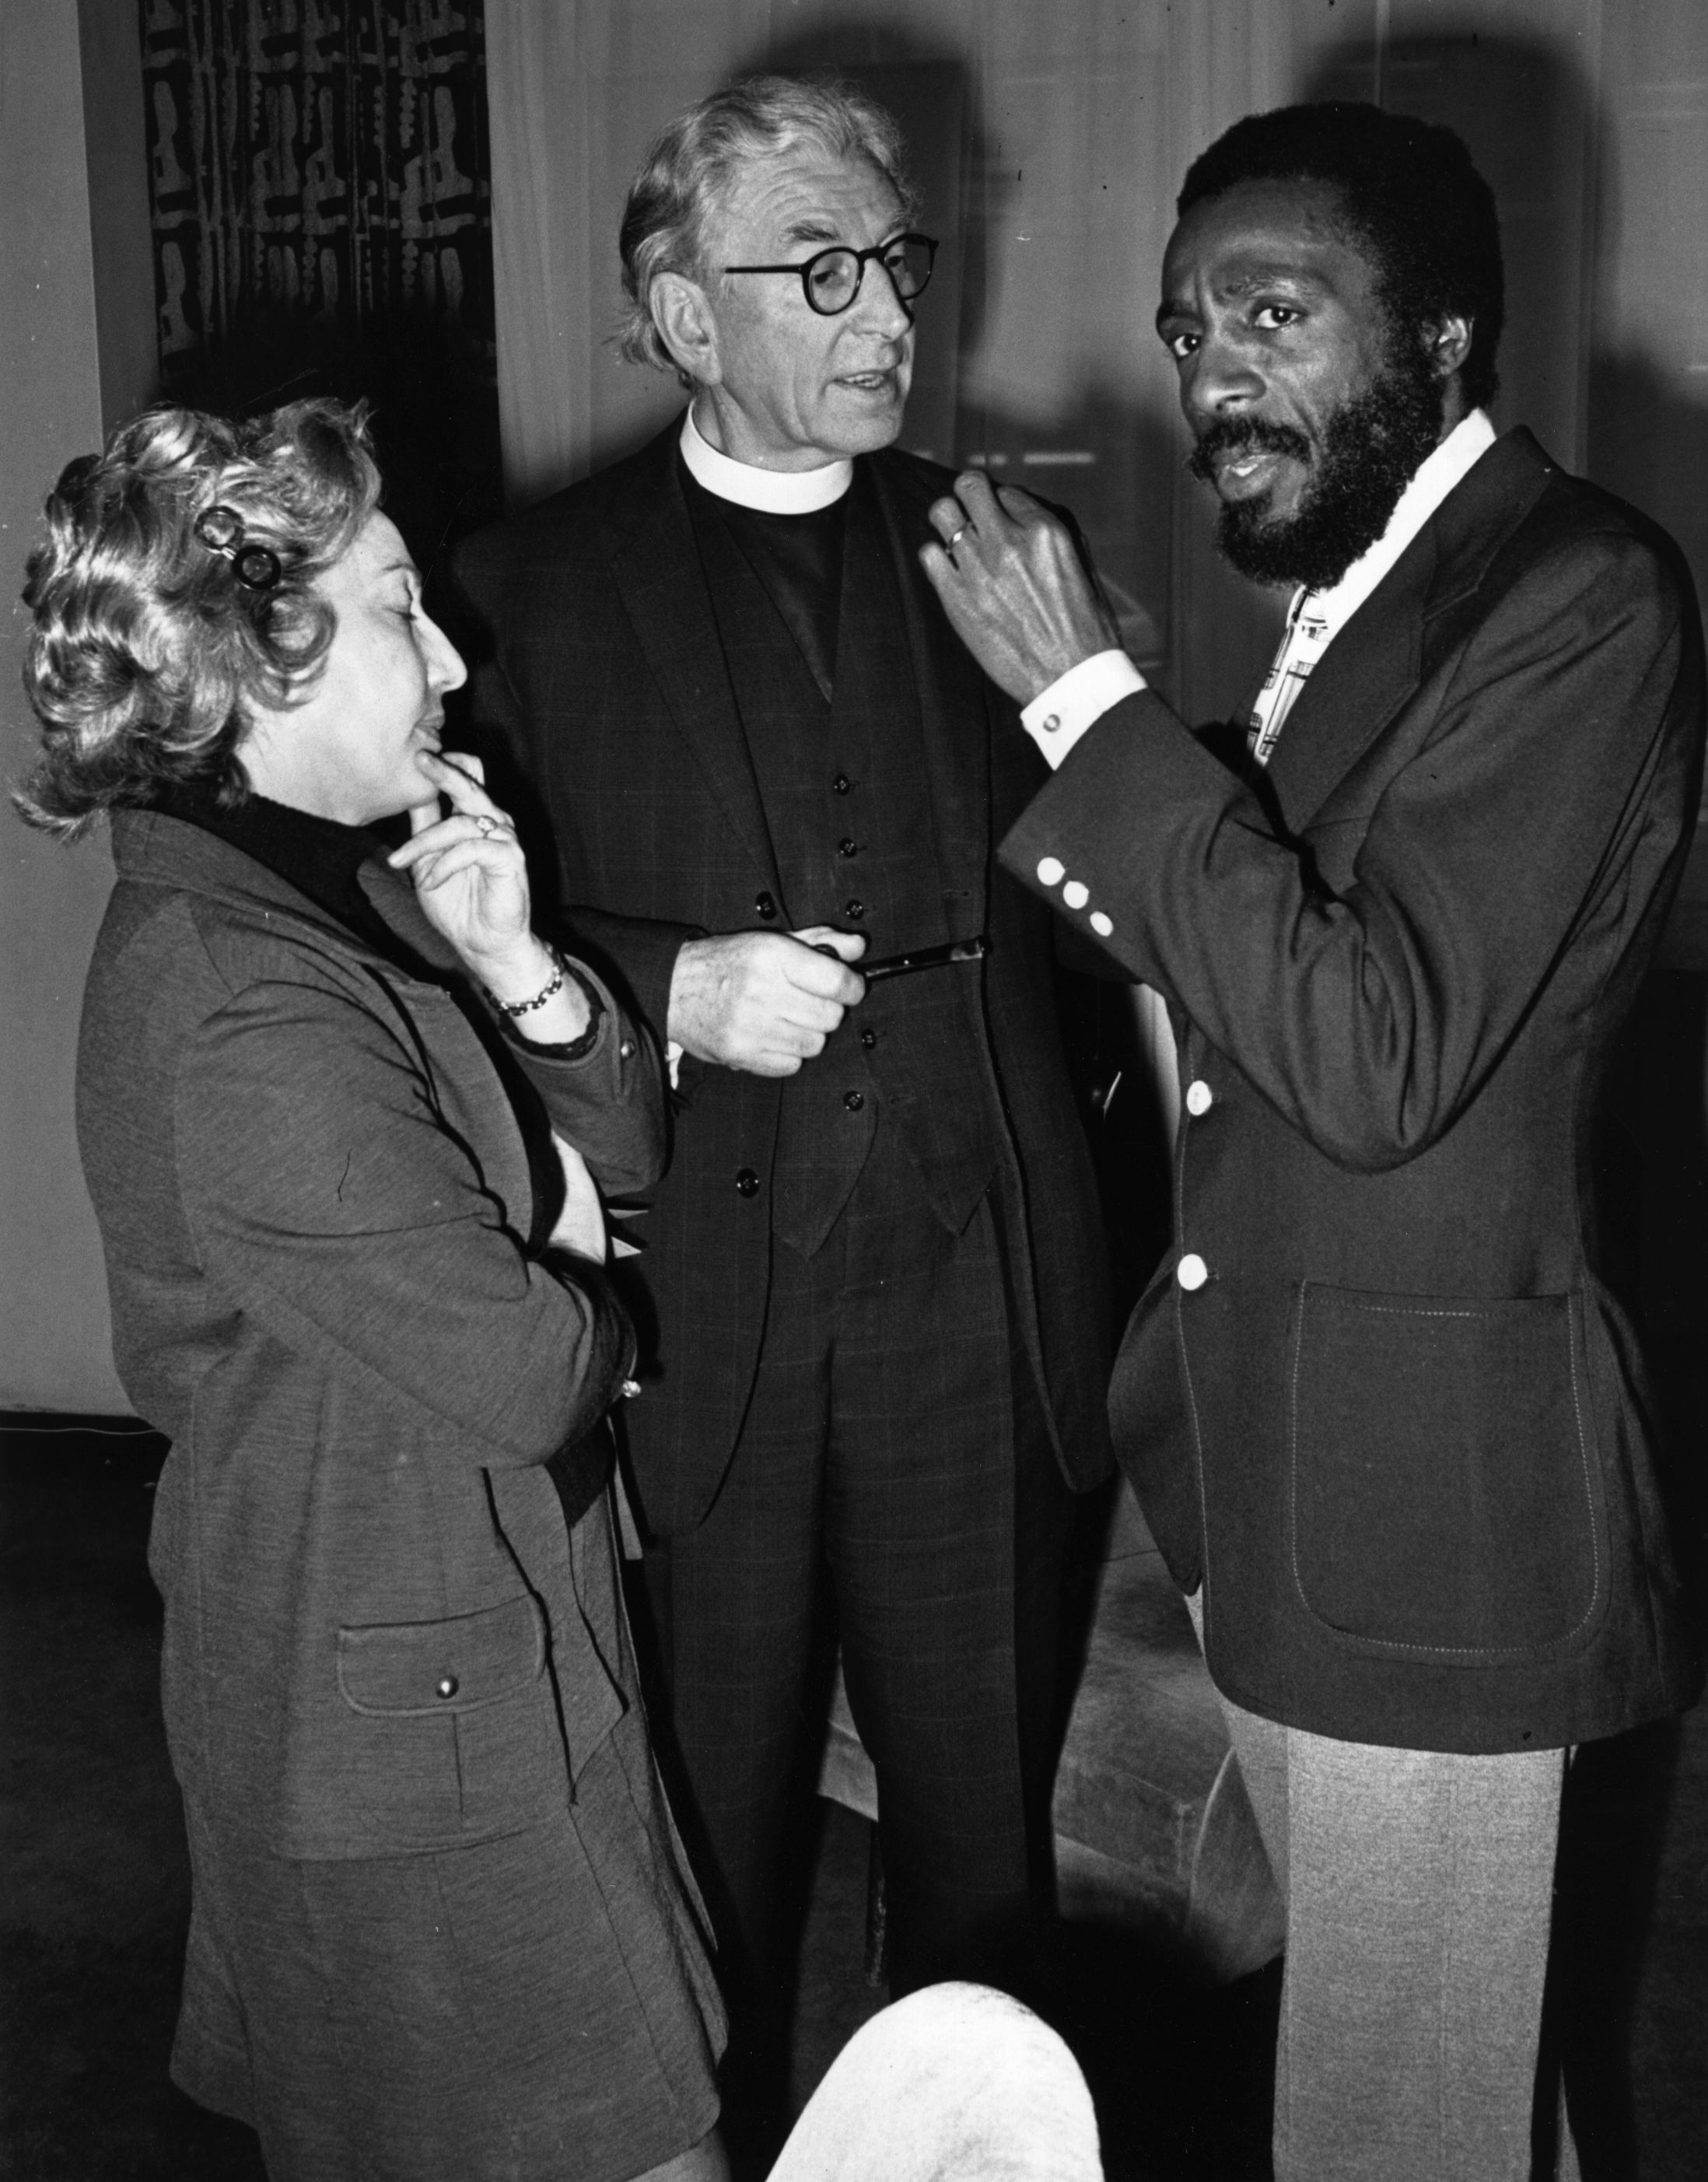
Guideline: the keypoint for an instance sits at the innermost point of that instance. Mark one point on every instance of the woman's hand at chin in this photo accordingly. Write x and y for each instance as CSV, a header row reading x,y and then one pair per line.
x,y
470,876
471,879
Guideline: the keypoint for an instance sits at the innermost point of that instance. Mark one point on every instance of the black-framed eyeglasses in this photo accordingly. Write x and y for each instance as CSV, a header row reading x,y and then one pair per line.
x,y
831,279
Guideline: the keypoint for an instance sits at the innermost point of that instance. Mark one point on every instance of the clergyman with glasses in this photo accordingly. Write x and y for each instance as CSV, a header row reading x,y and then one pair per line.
x,y
873,1274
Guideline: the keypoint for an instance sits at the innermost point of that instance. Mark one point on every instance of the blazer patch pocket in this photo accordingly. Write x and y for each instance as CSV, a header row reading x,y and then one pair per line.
x,y
416,1668
1445,1493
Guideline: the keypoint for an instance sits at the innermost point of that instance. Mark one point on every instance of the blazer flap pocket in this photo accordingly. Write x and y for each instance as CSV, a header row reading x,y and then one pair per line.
x,y
449,1666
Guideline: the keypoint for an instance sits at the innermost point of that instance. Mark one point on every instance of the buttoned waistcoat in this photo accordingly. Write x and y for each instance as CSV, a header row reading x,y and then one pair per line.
x,y
602,687
911,1055
1379,1398
314,1198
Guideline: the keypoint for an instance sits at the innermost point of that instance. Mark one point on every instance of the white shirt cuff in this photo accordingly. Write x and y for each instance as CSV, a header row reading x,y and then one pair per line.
x,y
1077,700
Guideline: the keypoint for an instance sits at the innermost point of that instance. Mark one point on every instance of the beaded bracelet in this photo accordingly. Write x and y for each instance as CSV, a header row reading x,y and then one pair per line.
x,y
546,992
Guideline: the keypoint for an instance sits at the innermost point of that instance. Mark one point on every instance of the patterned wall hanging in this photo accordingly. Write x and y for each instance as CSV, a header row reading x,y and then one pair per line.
x,y
321,207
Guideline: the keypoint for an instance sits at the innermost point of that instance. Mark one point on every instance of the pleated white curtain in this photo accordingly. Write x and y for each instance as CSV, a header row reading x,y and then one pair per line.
x,y
1052,139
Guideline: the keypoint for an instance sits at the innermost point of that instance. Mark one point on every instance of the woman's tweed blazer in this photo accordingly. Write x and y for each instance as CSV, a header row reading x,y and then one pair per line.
x,y
315,1197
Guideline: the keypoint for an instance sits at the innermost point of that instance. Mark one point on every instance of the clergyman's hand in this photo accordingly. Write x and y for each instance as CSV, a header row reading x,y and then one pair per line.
x,y
765,1001
1013,586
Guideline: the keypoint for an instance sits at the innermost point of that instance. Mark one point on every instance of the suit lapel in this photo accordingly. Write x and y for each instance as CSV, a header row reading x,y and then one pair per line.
x,y
658,576
1376,662
1360,683
951,699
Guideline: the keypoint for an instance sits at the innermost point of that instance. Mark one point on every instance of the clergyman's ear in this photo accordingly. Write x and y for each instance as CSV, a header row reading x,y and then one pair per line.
x,y
685,326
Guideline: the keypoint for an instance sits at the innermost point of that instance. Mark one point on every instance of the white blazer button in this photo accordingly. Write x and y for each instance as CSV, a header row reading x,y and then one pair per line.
x,y
1191,1272
1076,894
1199,1096
1052,871
1102,925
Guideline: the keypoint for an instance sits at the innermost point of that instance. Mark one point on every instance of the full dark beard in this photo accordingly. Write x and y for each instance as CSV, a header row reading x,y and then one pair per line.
x,y
1370,451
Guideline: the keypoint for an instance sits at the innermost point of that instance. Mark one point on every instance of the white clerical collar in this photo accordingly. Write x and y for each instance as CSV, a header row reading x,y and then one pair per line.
x,y
773,492
1434,479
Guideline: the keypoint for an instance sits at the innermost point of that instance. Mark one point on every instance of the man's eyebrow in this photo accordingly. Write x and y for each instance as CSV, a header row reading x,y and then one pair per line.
x,y
1281,273
1265,275
811,230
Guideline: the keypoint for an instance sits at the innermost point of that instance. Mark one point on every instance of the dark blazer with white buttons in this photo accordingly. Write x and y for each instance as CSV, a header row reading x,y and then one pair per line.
x,y
1379,1399
314,1191
601,693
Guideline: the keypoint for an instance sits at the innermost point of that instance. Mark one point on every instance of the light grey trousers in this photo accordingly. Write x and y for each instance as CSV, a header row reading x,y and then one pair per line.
x,y
1418,1887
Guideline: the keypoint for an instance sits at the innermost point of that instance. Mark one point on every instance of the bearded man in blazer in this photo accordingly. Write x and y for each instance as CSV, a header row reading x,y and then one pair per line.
x,y
1381,1409
873,1276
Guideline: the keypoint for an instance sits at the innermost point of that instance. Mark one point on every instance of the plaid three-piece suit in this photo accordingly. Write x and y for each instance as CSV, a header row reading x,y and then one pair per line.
x,y
905,1392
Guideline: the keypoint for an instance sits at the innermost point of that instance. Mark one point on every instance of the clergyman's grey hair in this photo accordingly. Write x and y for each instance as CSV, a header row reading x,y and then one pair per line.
x,y
693,162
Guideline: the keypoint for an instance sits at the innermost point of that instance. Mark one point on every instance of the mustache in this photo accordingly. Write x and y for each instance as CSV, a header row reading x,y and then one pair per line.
x,y
1245,436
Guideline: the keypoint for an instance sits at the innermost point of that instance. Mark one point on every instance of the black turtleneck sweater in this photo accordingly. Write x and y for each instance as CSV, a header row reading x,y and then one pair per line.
x,y
318,856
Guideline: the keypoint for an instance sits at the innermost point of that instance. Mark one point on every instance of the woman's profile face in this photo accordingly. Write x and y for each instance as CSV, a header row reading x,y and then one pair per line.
x,y
349,749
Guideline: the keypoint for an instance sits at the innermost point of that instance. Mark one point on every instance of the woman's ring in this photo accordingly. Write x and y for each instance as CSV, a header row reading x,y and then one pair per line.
x,y
487,825
950,544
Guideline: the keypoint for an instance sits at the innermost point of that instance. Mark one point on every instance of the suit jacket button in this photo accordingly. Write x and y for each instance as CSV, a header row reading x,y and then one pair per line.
x,y
854,908
445,1686
747,1182
853,1101
1199,1096
847,848
1191,1272
842,784
869,1039
764,904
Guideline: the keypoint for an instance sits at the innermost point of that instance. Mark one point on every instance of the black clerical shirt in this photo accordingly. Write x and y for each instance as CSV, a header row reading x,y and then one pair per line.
x,y
797,558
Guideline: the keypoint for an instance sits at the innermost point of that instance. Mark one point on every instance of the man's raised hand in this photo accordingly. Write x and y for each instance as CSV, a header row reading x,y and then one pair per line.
x,y
765,1001
1013,586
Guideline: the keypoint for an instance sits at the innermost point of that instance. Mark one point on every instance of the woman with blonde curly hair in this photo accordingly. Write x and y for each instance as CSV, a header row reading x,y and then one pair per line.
x,y
345,1117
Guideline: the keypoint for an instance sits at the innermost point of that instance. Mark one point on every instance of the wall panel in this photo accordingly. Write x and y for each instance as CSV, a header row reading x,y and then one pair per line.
x,y
1648,403
54,1331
